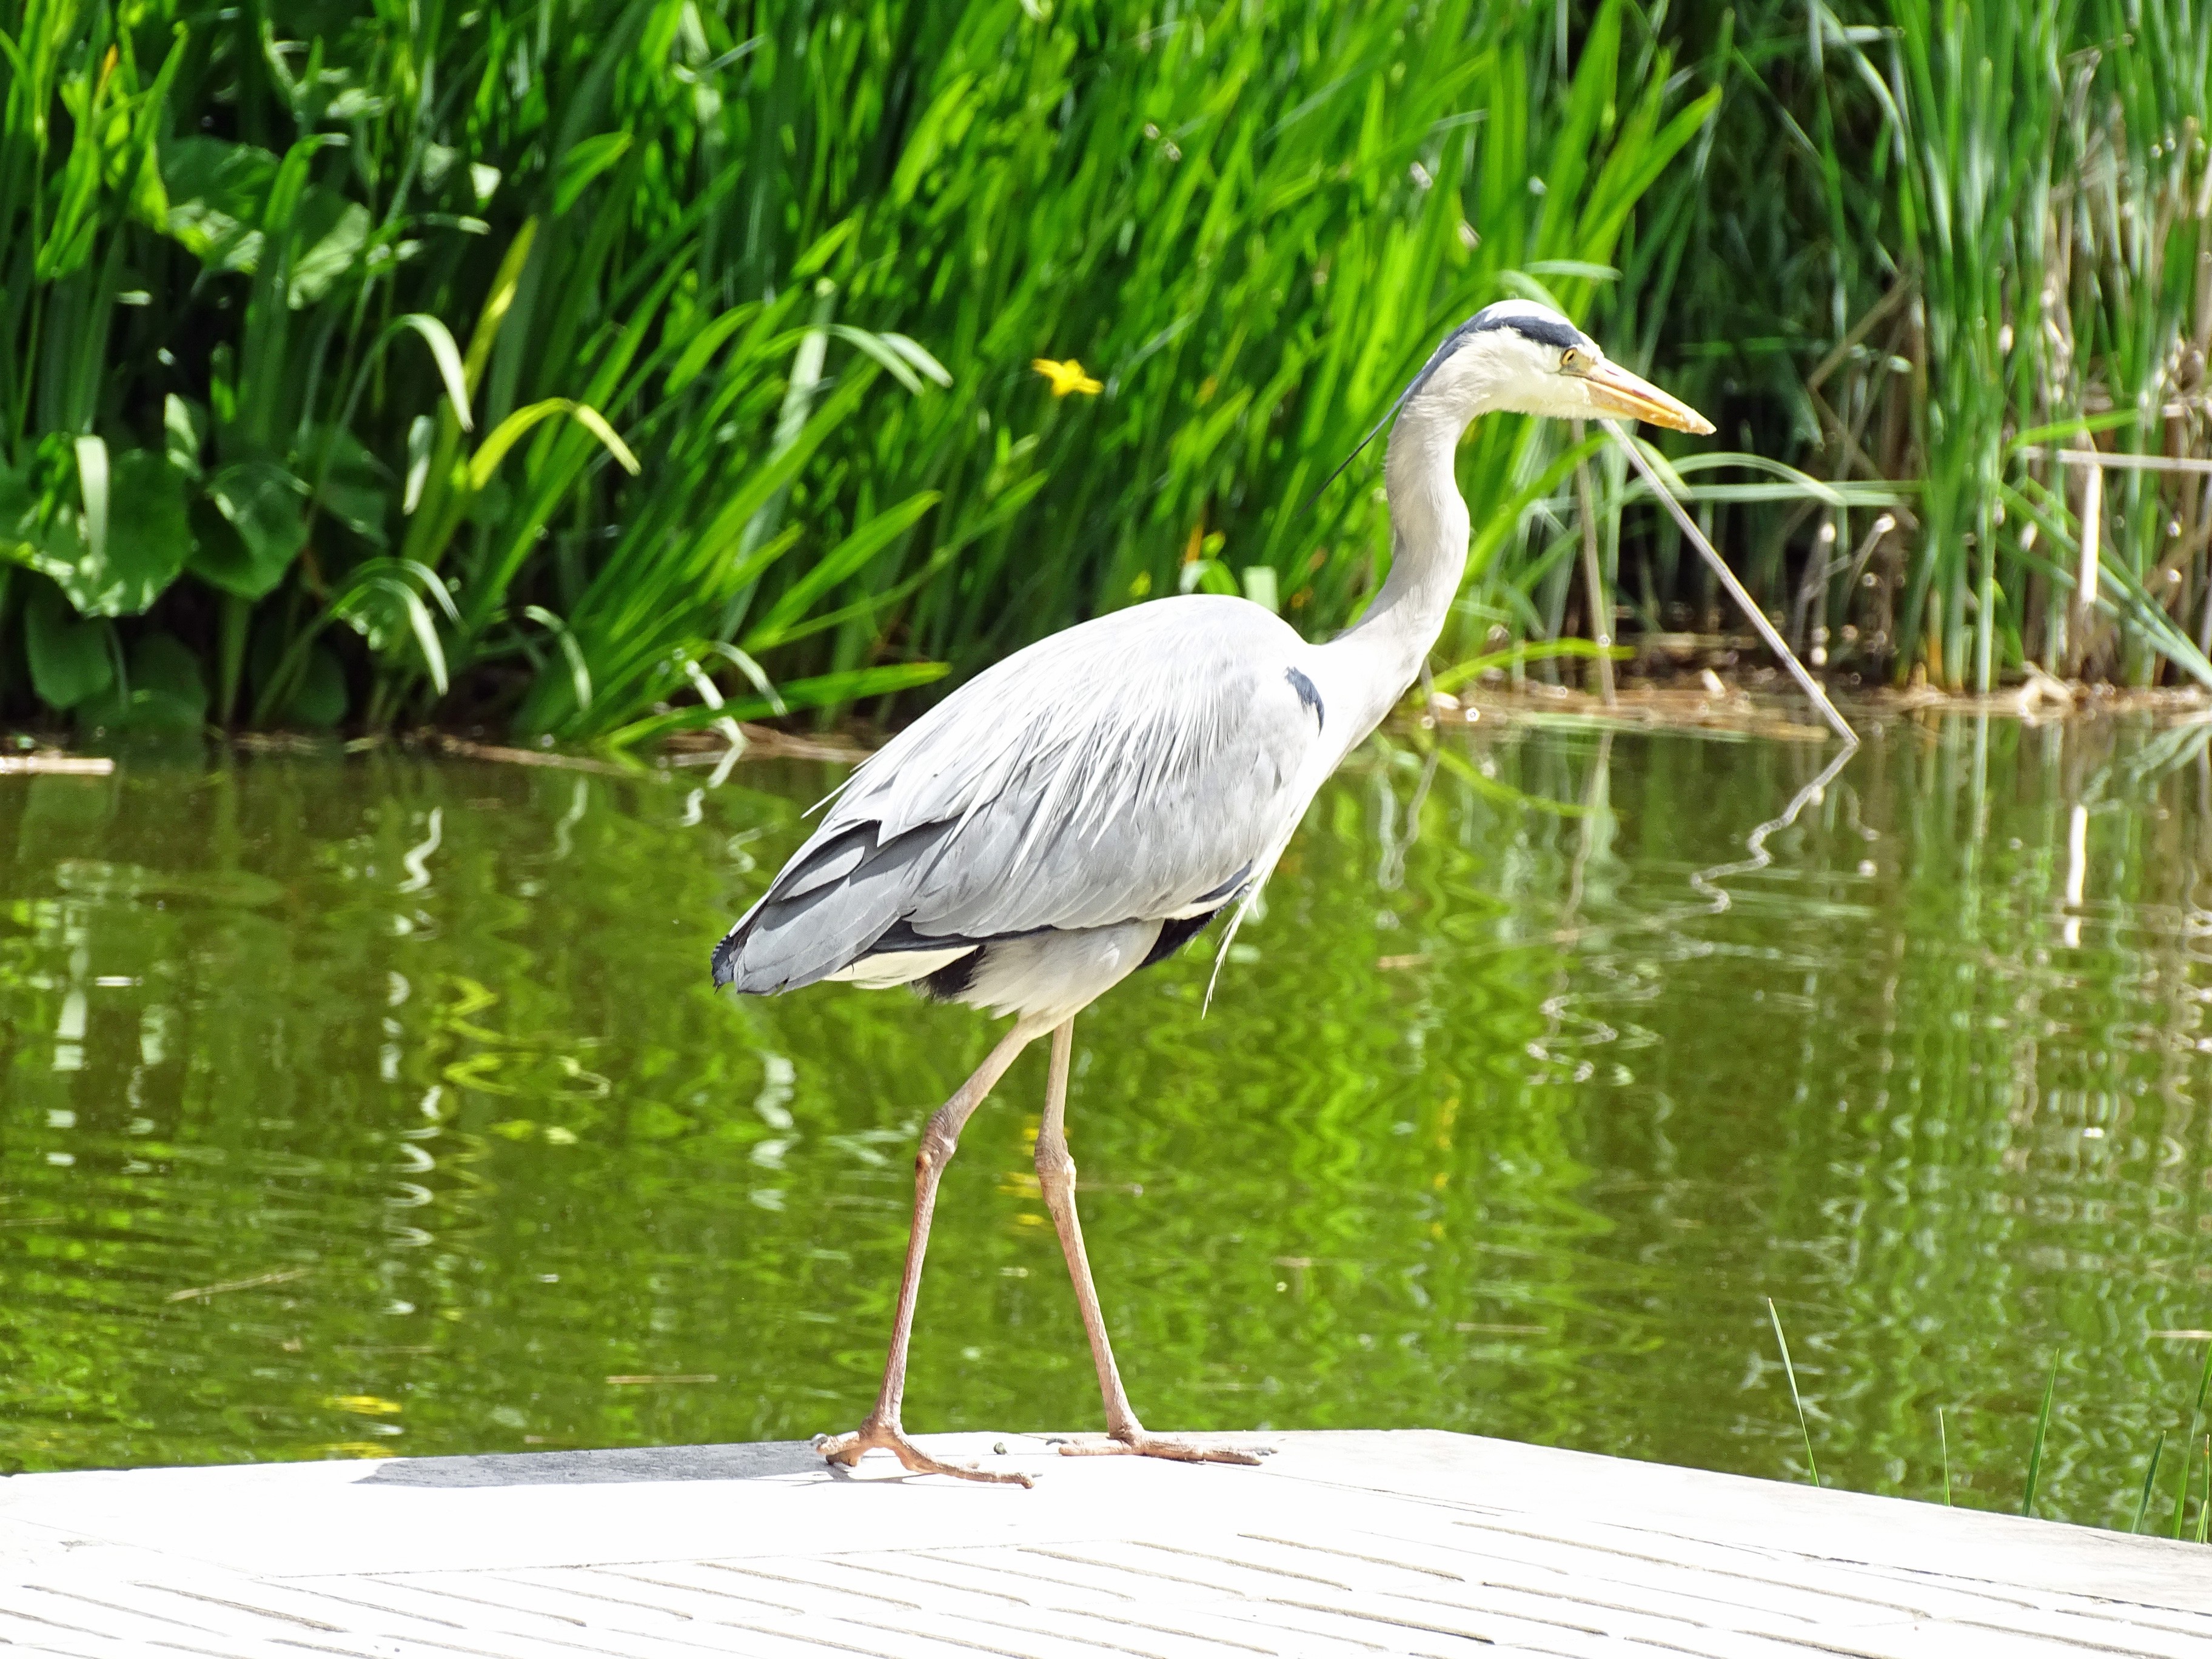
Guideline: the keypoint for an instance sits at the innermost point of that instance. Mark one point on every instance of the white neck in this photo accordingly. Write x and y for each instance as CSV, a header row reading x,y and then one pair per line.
x,y
1381,654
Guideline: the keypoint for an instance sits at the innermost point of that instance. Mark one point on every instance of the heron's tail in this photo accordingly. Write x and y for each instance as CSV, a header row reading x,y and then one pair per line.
x,y
732,948
840,894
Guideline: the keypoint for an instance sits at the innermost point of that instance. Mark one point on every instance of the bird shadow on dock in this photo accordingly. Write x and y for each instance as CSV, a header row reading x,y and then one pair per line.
x,y
623,1464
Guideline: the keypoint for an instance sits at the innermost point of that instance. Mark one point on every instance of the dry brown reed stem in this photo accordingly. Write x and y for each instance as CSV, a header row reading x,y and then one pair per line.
x,y
1600,608
1737,590
81,766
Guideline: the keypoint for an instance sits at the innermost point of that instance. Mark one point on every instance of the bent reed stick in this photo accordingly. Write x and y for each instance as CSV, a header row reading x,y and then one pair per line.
x,y
1737,590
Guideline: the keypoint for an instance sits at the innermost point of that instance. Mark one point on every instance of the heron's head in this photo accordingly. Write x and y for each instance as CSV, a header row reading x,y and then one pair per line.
x,y
1523,357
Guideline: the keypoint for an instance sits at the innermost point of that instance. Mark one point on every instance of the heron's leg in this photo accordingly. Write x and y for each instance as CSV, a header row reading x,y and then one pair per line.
x,y
939,1140
1056,1175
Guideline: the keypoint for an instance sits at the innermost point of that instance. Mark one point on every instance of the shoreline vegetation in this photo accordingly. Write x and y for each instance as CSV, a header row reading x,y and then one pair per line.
x,y
1759,702
602,370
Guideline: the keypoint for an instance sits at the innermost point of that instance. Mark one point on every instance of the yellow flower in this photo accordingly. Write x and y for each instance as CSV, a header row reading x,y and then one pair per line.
x,y
1067,377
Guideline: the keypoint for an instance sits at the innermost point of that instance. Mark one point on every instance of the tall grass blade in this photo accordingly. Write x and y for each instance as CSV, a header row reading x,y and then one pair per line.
x,y
2149,1484
1804,1427
2035,1449
2188,1445
1943,1443
2204,1504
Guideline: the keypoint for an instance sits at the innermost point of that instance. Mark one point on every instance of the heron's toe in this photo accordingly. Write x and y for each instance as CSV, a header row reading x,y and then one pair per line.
x,y
844,1449
847,1448
1177,1451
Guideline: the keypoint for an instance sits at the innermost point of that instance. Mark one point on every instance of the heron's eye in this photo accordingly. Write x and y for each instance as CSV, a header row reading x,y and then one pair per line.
x,y
1571,361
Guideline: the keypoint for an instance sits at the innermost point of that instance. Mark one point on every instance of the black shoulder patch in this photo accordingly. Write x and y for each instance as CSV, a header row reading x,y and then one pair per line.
x,y
1309,694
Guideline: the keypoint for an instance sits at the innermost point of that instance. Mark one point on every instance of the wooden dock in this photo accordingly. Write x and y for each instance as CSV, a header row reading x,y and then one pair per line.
x,y
1341,1544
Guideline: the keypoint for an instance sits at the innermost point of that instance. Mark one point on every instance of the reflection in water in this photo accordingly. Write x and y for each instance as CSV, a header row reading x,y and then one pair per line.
x,y
376,1105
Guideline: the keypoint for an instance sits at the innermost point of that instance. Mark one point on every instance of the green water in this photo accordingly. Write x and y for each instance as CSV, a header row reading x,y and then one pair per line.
x,y
381,1105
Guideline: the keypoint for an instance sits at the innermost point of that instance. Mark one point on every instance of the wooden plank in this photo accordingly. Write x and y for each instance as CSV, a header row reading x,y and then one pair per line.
x,y
1342,1545
129,1617
1069,1594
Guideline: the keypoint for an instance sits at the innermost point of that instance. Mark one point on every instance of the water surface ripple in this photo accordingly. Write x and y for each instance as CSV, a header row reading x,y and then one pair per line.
x,y
380,1104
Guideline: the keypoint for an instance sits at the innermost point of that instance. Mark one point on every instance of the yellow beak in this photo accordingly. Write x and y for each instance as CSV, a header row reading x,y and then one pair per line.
x,y
1614,391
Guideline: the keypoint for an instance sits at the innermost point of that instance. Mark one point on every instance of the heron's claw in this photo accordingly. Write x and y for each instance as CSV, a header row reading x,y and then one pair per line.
x,y
1137,1443
845,1448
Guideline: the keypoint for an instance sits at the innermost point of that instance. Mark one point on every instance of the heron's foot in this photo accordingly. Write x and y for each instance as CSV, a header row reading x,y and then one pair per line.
x,y
875,1431
1136,1443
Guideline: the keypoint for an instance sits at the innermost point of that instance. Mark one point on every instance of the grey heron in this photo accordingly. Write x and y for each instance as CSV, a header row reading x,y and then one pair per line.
x,y
1082,809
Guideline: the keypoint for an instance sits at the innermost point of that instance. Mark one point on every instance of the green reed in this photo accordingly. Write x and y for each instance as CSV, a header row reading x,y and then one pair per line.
x,y
602,367
616,365
1936,245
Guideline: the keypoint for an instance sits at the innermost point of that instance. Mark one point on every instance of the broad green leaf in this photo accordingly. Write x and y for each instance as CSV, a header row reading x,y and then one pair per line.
x,y
348,483
328,235
437,165
216,192
321,699
70,657
184,431
46,535
165,691
260,502
148,535
143,548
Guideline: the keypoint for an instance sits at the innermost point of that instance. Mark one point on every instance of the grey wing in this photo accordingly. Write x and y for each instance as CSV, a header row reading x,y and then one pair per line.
x,y
1139,766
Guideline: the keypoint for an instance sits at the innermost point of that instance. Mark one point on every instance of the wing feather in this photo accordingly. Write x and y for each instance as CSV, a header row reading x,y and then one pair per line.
x,y
1127,768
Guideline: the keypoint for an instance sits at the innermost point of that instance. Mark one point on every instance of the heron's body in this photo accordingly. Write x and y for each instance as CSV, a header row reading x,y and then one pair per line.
x,y
1085,807
1028,843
